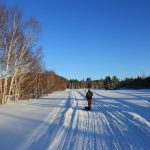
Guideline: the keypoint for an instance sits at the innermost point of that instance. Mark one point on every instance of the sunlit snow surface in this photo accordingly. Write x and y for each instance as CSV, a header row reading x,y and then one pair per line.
x,y
119,120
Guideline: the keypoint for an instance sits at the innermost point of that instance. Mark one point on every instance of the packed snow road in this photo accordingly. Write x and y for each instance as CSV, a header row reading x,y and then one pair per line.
x,y
119,120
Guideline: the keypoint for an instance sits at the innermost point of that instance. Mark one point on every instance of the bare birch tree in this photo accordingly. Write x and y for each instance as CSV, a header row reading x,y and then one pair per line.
x,y
17,47
22,72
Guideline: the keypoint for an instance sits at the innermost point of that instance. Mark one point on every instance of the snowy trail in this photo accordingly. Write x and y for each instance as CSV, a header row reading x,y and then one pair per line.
x,y
118,120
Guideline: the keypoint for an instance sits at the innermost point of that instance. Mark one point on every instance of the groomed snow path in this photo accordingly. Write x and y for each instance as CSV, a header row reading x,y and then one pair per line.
x,y
119,120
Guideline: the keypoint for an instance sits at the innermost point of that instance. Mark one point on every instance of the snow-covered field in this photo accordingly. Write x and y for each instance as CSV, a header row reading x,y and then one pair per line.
x,y
119,120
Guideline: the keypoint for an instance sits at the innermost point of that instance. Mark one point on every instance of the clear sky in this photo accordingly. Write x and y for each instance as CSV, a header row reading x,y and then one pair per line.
x,y
93,38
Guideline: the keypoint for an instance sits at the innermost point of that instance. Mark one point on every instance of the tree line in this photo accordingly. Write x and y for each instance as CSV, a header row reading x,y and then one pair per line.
x,y
111,83
22,71
136,83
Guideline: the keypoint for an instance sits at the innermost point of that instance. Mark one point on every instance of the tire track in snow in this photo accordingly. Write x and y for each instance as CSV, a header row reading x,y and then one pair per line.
x,y
82,135
103,123
114,124
115,128
79,139
130,110
95,128
119,118
65,135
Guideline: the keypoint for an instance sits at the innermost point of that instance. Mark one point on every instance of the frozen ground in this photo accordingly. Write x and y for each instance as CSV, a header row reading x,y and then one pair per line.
x,y
119,120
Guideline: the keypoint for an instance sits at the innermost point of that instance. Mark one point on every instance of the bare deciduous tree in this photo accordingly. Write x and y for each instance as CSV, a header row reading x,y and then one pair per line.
x,y
17,49
22,72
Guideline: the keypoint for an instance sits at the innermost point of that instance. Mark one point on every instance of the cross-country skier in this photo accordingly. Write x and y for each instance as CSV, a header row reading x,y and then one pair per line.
x,y
89,95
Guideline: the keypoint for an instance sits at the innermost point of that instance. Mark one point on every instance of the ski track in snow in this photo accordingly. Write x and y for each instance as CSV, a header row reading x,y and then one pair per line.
x,y
118,120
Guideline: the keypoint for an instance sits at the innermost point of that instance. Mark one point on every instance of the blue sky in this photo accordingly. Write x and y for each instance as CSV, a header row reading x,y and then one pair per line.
x,y
93,38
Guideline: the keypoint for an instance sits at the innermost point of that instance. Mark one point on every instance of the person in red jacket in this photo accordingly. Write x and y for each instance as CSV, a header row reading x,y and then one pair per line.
x,y
89,95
